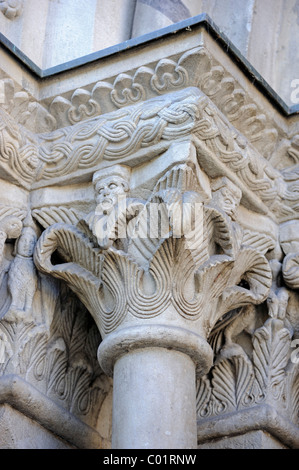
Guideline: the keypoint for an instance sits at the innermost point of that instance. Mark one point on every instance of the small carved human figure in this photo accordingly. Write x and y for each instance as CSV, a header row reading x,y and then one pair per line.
x,y
227,196
278,297
245,321
10,228
114,209
289,240
22,278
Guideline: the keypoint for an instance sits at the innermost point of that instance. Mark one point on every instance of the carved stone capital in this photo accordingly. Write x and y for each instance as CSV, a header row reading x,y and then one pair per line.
x,y
172,269
166,190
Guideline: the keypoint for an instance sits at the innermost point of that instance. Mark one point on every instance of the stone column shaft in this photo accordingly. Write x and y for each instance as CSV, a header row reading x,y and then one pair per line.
x,y
154,400
155,297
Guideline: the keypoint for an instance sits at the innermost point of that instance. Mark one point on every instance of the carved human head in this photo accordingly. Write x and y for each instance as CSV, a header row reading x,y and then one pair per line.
x,y
109,184
12,226
26,242
226,195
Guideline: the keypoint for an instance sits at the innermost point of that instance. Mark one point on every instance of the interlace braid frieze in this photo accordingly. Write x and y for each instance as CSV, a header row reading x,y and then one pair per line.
x,y
112,139
195,67
172,117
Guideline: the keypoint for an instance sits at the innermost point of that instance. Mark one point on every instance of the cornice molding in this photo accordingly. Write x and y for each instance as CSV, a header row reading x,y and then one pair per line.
x,y
205,59
261,417
25,398
200,21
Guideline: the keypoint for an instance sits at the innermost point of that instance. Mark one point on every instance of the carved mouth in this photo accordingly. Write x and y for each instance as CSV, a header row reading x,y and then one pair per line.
x,y
107,203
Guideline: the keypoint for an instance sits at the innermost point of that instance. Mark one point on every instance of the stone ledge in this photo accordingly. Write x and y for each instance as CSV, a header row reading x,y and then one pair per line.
x,y
202,20
261,417
26,399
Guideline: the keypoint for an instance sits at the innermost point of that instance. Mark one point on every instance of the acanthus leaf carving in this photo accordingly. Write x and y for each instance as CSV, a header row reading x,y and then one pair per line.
x,y
51,215
202,281
203,397
232,379
266,351
270,357
162,272
257,275
60,361
239,381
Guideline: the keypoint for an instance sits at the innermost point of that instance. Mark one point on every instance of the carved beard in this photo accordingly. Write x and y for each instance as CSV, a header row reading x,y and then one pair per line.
x,y
230,212
107,206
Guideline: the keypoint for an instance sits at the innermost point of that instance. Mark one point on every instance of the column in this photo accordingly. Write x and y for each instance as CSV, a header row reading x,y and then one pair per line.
x,y
155,296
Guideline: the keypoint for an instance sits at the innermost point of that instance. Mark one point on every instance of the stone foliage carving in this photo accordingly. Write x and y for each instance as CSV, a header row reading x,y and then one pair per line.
x,y
58,359
18,154
260,370
210,281
11,8
194,264
24,109
46,336
155,275
238,381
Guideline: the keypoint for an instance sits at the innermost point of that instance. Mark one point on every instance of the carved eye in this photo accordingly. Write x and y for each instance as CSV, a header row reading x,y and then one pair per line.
x,y
100,190
112,186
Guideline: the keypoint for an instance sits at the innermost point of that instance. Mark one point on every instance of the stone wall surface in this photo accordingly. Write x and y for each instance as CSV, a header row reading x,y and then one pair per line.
x,y
149,213
51,32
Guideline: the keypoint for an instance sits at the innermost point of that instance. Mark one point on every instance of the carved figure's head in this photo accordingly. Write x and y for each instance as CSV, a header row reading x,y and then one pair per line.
x,y
12,226
26,242
289,237
227,196
109,184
